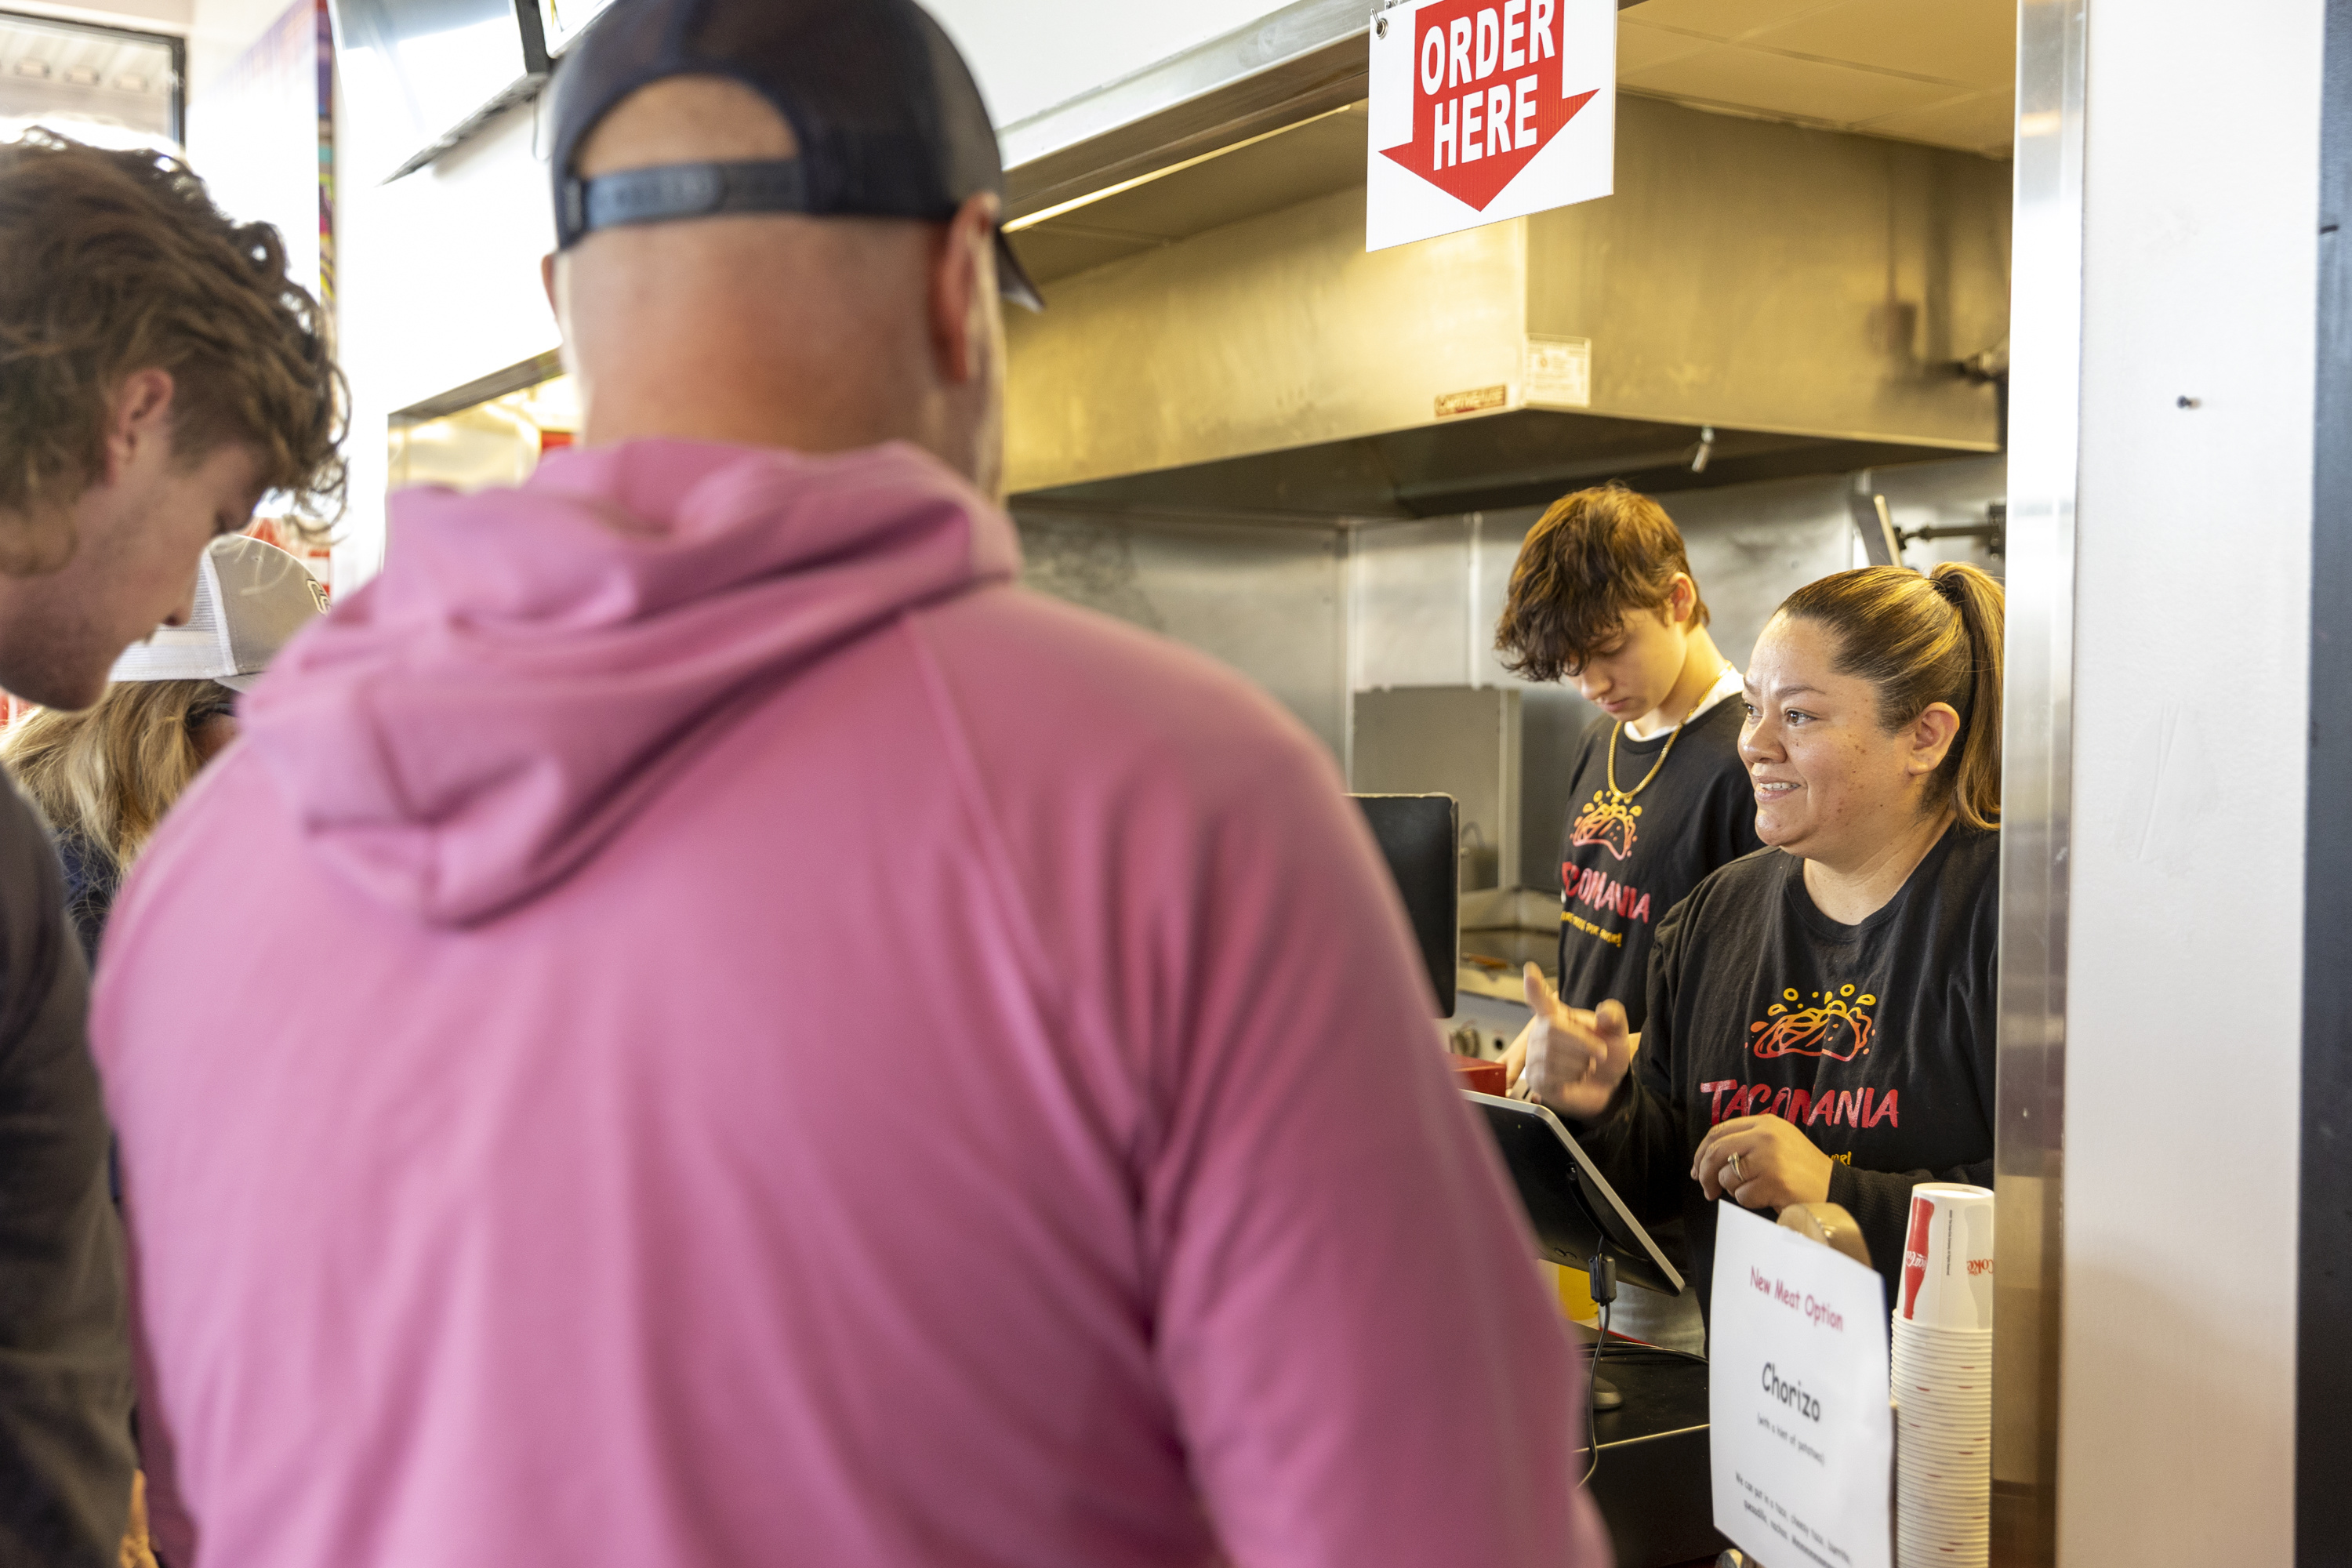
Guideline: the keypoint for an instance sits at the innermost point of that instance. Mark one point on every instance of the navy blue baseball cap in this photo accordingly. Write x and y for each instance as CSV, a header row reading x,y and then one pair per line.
x,y
888,120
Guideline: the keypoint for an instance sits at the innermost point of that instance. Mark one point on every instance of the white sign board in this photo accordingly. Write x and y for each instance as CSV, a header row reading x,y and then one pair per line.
x,y
1486,109
1800,1437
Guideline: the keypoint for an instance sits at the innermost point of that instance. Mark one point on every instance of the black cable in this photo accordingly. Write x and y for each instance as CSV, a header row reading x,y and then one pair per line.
x,y
1592,1401
1600,1278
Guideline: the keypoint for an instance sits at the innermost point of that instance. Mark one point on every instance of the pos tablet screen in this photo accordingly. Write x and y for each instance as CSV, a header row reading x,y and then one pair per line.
x,y
1418,839
1575,1212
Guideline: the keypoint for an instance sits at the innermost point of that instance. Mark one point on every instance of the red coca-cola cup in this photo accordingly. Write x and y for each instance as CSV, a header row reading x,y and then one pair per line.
x,y
1948,1257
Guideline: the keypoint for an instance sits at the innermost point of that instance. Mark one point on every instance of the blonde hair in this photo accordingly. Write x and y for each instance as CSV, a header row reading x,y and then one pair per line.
x,y
106,776
1920,641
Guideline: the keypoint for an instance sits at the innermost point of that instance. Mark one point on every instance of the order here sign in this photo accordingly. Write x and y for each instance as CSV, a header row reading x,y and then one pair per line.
x,y
1486,109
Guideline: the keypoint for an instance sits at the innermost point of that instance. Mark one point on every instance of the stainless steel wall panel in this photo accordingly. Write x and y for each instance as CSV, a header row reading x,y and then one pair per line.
x,y
1753,545
1411,614
1255,337
1460,740
1266,601
1776,283
2037,740
1945,495
1769,277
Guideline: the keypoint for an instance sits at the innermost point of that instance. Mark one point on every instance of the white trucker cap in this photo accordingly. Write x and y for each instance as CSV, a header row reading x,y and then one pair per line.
x,y
251,598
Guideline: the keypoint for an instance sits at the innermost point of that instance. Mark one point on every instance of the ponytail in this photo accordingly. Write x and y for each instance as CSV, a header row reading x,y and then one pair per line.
x,y
1920,641
1975,782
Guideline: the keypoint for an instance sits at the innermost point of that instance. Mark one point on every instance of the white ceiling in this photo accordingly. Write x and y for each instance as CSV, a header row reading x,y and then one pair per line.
x,y
63,72
1939,71
141,16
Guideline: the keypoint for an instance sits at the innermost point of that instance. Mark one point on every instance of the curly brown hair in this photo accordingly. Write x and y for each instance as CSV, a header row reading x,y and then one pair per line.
x,y
1592,557
112,262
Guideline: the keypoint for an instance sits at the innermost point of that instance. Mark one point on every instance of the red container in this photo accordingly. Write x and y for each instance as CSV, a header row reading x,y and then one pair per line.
x,y
1480,1077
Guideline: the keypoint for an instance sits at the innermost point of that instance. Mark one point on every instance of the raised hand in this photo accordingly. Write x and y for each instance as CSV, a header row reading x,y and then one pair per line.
x,y
1568,1058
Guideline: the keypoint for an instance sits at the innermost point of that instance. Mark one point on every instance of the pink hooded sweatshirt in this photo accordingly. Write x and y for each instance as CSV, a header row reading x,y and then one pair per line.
x,y
702,1026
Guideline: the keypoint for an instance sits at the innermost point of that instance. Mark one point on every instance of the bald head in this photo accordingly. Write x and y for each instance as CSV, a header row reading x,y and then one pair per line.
x,y
821,334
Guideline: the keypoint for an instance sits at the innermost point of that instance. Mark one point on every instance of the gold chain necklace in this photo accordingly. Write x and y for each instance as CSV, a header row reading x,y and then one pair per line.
x,y
1620,795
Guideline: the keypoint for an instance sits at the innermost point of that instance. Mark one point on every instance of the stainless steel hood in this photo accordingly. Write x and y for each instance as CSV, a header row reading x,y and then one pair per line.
x,y
1807,296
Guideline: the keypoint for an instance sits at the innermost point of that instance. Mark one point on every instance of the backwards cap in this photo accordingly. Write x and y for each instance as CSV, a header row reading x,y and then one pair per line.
x,y
888,120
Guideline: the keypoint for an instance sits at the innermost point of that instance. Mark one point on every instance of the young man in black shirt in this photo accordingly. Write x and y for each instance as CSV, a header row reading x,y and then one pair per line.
x,y
158,373
1603,594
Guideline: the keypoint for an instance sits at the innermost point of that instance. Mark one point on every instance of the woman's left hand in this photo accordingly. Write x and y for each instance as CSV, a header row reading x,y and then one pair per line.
x,y
1778,1165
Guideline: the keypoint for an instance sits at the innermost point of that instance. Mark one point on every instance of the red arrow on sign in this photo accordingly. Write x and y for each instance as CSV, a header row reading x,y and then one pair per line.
x,y
1487,94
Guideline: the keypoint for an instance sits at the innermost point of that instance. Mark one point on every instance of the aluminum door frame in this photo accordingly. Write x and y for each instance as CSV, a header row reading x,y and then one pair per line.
x,y
2323,1504
2045,418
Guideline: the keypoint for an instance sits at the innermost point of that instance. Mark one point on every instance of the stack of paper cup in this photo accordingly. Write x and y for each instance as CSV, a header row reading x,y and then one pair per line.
x,y
1942,1347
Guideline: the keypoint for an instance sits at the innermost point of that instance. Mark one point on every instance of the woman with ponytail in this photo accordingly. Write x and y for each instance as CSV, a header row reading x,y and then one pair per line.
x,y
1821,1013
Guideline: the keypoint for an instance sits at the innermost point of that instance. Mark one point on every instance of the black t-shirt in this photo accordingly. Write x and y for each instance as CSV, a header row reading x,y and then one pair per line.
x,y
92,882
1624,865
1876,1039
65,1349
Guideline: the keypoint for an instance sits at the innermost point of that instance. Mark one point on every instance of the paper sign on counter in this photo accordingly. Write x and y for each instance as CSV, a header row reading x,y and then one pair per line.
x,y
1802,1442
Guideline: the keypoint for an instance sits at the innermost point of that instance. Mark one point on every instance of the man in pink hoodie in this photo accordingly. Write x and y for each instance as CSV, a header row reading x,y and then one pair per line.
x,y
748,1038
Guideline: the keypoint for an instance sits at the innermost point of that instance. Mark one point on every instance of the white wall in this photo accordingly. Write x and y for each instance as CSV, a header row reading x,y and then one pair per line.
x,y
2192,616
440,285
218,32
441,267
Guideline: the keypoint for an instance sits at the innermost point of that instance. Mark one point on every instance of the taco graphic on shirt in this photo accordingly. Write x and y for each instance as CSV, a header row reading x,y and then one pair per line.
x,y
1608,823
1837,1027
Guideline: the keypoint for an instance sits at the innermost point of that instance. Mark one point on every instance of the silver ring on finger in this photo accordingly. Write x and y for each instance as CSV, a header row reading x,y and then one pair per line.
x,y
1738,1175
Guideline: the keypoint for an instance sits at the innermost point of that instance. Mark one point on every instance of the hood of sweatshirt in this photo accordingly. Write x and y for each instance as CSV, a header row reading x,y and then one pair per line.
x,y
533,664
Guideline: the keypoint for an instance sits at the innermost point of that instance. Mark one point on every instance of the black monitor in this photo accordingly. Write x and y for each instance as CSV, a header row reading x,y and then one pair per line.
x,y
1574,1210
1418,839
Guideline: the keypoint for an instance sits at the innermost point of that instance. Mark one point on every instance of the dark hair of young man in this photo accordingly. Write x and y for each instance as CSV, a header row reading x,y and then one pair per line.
x,y
1592,558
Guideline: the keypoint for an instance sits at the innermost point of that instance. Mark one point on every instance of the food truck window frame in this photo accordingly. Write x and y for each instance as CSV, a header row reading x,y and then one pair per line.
x,y
2324,1285
2045,400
